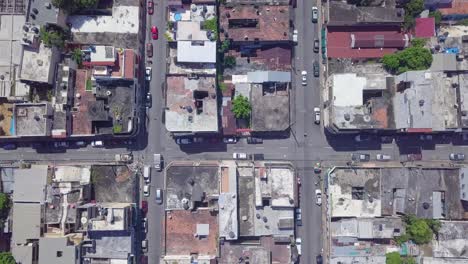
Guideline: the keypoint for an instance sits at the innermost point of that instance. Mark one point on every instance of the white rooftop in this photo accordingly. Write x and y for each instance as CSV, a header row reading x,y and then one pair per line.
x,y
347,89
190,30
72,174
37,64
196,51
115,220
103,54
343,205
124,19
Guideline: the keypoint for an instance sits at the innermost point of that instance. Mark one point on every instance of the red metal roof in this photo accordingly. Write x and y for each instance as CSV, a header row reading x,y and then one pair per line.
x,y
339,46
425,27
228,120
129,67
419,130
378,40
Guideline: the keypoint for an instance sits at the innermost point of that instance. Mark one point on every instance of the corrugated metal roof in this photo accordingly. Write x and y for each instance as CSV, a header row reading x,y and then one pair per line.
x,y
268,76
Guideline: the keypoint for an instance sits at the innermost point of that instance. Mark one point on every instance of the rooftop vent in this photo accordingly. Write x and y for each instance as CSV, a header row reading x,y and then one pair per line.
x,y
48,5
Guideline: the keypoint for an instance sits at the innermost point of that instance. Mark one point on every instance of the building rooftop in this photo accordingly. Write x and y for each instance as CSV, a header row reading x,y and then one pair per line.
x,y
192,105
190,31
270,107
424,100
44,14
30,184
457,7
228,120
452,240
39,64
124,19
23,254
425,27
267,58
114,247
56,250
362,101
463,84
228,218
32,119
368,228
81,174
231,252
181,233
258,2
196,51
343,14
268,76
251,23
27,222
13,7
195,182
186,68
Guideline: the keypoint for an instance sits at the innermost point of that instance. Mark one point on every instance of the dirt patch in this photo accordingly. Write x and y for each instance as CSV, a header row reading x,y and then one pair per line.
x,y
113,184
6,115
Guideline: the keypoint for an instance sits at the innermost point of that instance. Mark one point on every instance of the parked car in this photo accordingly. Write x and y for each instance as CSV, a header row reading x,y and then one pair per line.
x,y
149,100
318,196
198,139
319,259
383,157
149,50
61,144
316,69
80,143
254,140
148,73
304,77
97,144
425,137
316,45
144,225
144,207
360,157
315,14
147,174
295,36
159,196
144,246
299,245
230,140
414,157
241,156
457,156
298,216
10,146
362,138
154,32
146,190
184,141
317,115
150,7
158,161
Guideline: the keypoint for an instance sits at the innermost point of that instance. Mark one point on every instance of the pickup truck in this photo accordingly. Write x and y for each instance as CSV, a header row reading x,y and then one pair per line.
x,y
125,158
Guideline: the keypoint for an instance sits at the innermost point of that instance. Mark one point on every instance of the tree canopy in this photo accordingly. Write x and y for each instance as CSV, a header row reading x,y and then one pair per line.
x,y
421,230
6,258
241,107
395,258
412,58
73,5
412,9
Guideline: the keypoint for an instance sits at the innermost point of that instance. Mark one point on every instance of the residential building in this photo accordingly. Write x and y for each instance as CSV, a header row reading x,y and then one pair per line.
x,y
456,10
348,15
43,13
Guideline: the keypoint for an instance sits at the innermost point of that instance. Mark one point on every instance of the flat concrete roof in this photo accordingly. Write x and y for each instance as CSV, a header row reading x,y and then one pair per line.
x,y
190,31
10,51
39,64
23,254
270,107
196,51
124,19
57,250
30,184
452,240
27,219
347,89
32,119
228,217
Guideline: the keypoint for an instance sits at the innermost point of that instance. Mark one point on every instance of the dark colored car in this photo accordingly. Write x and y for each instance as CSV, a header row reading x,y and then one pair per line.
x,y
144,207
154,32
413,157
149,50
316,45
298,216
150,7
10,146
319,259
149,100
316,69
254,140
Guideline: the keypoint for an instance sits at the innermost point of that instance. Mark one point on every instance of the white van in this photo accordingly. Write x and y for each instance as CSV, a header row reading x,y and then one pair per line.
x,y
147,174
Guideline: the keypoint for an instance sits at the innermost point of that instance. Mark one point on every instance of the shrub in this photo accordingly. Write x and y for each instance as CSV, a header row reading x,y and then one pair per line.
x,y
241,107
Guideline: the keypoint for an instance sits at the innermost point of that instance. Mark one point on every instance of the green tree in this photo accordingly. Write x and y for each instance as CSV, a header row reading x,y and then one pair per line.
x,y
52,38
241,107
391,62
434,224
211,24
6,258
437,16
412,58
229,62
402,239
4,202
419,231
77,56
393,258
409,260
414,7
418,42
74,5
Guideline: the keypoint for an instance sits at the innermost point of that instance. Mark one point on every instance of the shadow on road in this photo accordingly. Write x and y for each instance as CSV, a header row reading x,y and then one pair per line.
x,y
203,147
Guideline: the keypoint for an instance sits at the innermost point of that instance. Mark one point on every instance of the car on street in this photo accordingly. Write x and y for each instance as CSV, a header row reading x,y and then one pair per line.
x,y
318,196
383,157
149,100
159,196
413,157
240,156
144,225
184,141
457,156
97,144
149,50
144,207
230,140
158,161
360,157
154,32
362,138
61,144
316,69
146,190
254,140
295,36
304,77
425,137
80,144
150,7
10,146
299,245
144,246
148,73
316,45
317,115
298,216
314,14
319,259
147,174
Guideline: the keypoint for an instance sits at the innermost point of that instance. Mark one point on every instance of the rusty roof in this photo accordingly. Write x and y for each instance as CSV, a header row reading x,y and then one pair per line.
x,y
81,123
181,227
250,23
228,120
458,7
129,64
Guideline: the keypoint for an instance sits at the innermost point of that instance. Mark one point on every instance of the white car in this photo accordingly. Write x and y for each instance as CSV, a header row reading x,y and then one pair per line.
x,y
146,190
383,157
230,140
299,245
318,195
295,36
241,156
304,77
144,224
148,73
97,144
317,115
314,14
